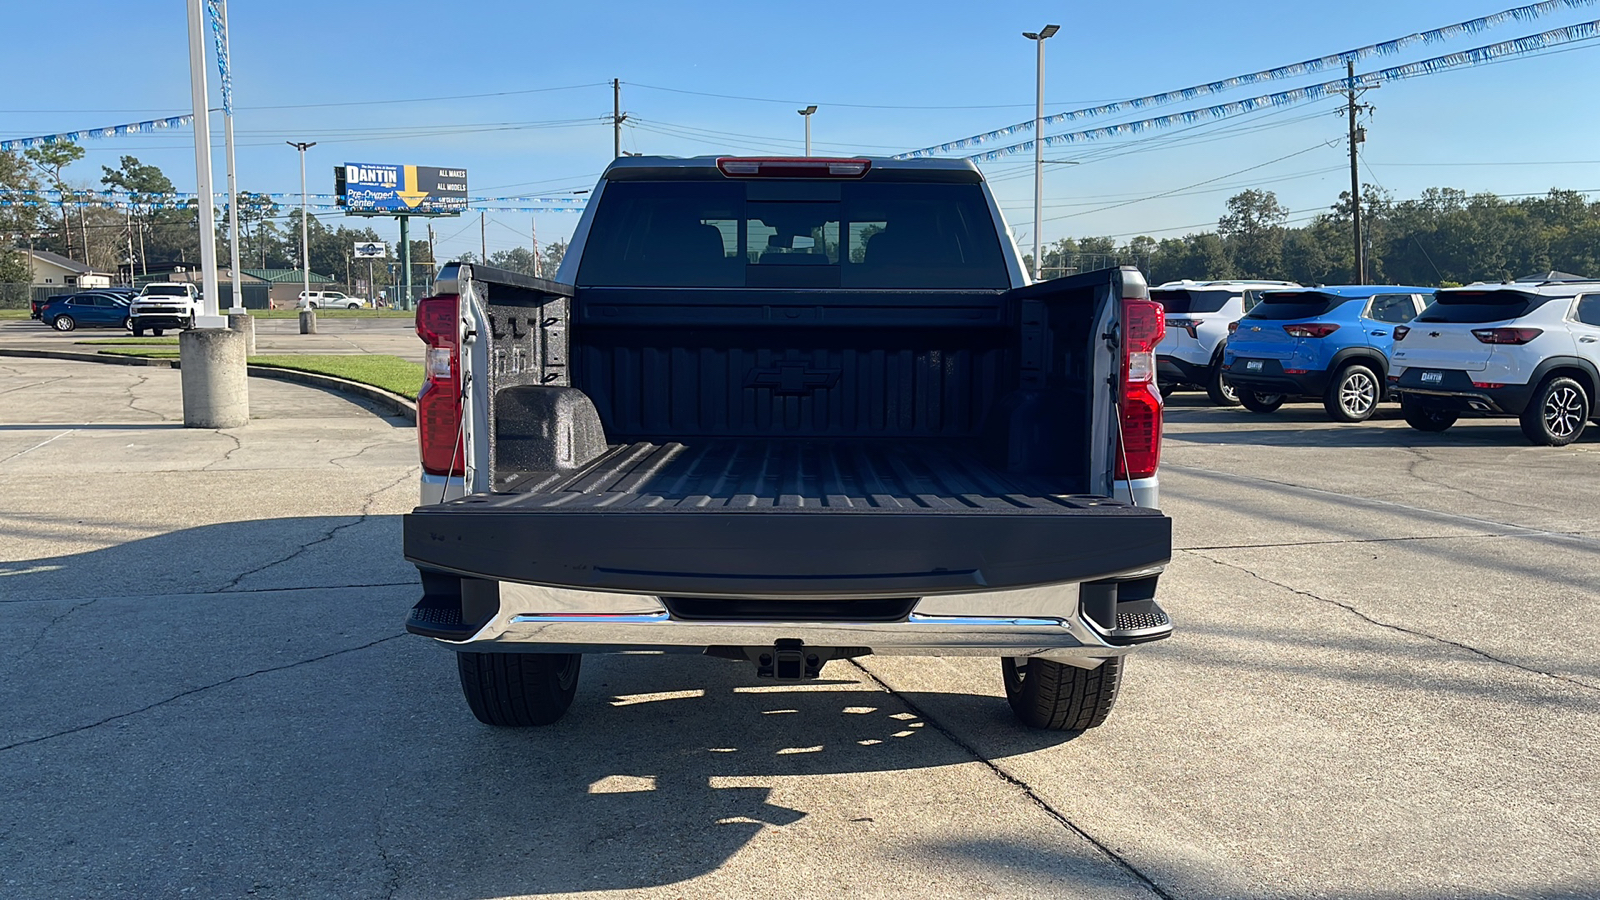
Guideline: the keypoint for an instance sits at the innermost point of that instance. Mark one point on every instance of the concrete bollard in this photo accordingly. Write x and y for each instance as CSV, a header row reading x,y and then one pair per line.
x,y
308,321
215,387
245,324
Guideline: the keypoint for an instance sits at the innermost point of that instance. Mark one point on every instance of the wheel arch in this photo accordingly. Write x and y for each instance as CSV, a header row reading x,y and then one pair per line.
x,y
1580,370
1367,355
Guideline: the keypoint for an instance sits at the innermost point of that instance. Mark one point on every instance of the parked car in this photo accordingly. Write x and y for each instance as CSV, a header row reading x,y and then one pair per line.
x,y
1328,343
163,305
892,443
1198,315
329,300
91,309
1528,349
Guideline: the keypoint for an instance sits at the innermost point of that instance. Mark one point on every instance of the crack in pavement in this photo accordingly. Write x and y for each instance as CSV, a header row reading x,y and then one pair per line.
x,y
330,534
1424,457
143,380
48,626
337,460
1027,790
226,457
1400,629
192,691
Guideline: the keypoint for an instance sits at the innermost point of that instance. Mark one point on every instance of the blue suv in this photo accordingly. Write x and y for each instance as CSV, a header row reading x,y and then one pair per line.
x,y
1326,343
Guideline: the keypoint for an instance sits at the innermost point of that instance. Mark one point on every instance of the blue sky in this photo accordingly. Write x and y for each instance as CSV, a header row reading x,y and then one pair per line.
x,y
906,68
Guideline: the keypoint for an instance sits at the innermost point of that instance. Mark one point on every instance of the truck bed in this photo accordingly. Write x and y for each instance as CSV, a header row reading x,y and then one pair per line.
x,y
903,518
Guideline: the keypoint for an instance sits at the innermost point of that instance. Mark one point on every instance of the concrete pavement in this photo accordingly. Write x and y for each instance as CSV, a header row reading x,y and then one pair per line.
x,y
1384,685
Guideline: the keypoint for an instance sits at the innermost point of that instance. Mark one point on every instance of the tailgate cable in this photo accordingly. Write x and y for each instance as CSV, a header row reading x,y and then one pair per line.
x,y
1113,339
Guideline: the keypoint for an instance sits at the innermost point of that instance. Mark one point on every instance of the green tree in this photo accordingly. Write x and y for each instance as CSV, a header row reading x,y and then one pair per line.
x,y
50,160
1253,230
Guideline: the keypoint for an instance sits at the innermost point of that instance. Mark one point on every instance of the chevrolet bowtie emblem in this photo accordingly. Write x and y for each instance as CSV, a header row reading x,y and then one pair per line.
x,y
1433,334
792,379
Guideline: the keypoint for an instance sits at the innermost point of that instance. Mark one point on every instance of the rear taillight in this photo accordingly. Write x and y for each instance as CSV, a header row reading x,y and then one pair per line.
x,y
1506,335
1189,325
1139,449
1311,329
1400,332
1233,327
439,402
792,167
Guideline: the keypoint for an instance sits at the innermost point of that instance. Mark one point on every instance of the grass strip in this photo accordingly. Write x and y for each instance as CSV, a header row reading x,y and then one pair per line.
x,y
391,373
125,341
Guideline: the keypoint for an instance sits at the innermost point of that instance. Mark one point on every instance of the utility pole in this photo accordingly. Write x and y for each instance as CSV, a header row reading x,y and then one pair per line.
x,y
305,241
404,287
483,236
617,118
1039,37
1353,92
533,230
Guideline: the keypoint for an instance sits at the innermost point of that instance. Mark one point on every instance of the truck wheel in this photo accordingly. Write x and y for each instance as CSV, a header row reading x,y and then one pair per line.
x,y
1220,392
1557,414
156,331
63,323
1261,402
1059,697
138,330
518,689
1426,418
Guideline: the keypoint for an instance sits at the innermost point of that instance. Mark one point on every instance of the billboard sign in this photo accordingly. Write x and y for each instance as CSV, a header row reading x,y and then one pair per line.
x,y
370,250
403,190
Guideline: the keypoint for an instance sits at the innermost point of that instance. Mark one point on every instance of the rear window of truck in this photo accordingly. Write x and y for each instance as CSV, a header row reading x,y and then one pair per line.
x,y
1284,306
808,234
1475,307
1184,301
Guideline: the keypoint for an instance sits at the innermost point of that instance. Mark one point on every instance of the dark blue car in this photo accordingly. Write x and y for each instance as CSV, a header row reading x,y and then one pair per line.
x,y
1328,343
90,309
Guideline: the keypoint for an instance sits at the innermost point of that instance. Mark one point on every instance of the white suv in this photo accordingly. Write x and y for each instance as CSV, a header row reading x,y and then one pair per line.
x,y
1198,316
1528,348
328,300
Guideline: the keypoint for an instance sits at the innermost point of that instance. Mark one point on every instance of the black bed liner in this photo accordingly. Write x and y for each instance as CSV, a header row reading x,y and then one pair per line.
x,y
787,519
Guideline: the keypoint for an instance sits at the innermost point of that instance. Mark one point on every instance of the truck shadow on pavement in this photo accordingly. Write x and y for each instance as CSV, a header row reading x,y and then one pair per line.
x,y
325,753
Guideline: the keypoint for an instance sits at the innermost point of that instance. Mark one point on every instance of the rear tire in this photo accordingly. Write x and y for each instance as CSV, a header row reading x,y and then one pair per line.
x,y
1260,402
1557,414
1353,394
157,331
1426,418
1059,697
138,330
518,689
63,323
1220,392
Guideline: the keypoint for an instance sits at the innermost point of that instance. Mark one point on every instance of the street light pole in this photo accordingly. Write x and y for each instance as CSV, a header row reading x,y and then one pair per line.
x,y
305,242
1038,38
202,162
806,114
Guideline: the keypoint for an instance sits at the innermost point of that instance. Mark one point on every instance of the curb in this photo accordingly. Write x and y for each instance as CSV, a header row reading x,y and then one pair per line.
x,y
400,406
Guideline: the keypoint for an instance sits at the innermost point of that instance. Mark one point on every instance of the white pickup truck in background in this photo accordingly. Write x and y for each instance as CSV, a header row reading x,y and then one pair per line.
x,y
163,305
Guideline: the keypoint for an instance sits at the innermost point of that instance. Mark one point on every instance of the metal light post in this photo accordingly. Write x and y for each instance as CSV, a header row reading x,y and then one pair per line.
x,y
1038,39
227,139
806,114
305,242
202,164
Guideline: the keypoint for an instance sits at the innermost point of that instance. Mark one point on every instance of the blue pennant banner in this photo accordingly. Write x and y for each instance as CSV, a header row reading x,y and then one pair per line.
x,y
1474,57
1310,66
74,137
219,31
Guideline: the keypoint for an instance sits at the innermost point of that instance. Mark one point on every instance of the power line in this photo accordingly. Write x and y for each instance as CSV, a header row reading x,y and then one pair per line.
x,y
655,87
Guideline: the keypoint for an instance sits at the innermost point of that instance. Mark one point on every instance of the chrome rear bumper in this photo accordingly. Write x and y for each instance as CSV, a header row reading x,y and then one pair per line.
x,y
1045,622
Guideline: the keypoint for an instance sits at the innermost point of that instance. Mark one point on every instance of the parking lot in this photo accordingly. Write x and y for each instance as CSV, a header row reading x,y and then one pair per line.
x,y
1385,684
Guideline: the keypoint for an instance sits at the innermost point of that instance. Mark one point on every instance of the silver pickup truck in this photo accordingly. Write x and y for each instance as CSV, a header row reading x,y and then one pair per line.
x,y
788,411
